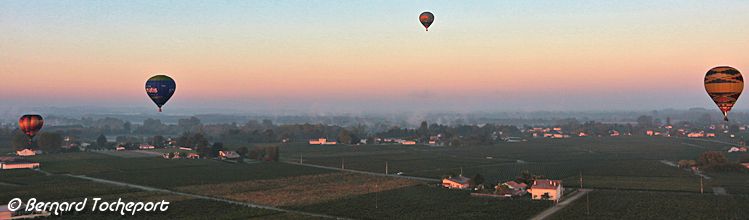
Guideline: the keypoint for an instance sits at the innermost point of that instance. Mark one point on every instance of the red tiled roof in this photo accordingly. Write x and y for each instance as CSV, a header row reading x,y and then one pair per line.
x,y
546,184
516,185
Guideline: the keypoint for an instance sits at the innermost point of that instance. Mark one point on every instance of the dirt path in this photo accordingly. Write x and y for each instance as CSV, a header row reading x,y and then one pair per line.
x,y
251,205
550,211
365,172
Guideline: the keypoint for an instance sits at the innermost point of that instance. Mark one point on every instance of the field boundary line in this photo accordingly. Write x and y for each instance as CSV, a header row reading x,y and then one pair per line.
x,y
246,204
366,172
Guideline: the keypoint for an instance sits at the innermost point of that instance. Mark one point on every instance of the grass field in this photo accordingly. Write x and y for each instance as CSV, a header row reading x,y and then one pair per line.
x,y
428,202
656,205
609,163
626,167
26,184
300,190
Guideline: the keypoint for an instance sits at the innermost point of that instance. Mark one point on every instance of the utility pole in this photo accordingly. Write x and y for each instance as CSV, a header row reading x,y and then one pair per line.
x,y
343,164
581,180
461,171
386,168
301,161
702,186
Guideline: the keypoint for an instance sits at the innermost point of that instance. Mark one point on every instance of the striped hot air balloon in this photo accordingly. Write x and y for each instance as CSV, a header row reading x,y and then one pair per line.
x,y
30,125
426,18
724,84
160,88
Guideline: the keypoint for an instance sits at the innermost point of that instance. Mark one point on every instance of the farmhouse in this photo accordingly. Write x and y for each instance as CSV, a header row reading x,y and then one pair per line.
x,y
322,141
544,189
146,147
614,133
120,148
193,156
745,165
515,186
228,154
696,134
459,182
408,142
18,165
511,188
25,153
737,149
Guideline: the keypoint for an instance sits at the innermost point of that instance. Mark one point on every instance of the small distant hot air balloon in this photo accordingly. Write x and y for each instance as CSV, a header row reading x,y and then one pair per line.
x,y
160,88
724,84
426,18
30,125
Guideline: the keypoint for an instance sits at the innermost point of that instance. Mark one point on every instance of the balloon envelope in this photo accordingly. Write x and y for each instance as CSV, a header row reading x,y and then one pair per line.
x,y
724,84
426,18
160,88
30,124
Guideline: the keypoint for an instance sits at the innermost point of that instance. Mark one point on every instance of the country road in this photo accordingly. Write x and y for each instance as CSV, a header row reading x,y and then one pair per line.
x,y
153,189
550,211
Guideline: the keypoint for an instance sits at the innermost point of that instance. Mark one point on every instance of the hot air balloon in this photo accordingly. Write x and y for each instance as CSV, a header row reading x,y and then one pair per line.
x,y
724,84
426,18
160,88
30,125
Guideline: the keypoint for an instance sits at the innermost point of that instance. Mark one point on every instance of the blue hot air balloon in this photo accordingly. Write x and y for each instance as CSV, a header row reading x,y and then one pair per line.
x,y
160,88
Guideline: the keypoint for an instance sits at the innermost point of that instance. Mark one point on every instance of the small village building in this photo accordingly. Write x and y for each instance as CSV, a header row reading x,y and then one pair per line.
x,y
228,154
185,148
696,134
458,182
10,165
650,133
582,134
322,141
119,148
545,189
614,133
737,149
193,156
511,188
25,153
710,135
146,147
408,142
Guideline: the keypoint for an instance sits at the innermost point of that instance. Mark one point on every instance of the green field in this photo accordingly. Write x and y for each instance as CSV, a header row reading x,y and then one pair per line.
x,y
609,163
656,205
26,184
429,202
622,171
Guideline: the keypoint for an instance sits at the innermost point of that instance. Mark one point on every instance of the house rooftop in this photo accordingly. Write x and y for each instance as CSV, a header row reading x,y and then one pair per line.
x,y
546,184
460,179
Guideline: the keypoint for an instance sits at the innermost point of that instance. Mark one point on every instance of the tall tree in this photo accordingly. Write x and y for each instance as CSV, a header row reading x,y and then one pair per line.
x,y
101,141
344,136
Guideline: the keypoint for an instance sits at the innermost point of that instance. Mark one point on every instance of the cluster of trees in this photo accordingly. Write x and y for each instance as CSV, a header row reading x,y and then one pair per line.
x,y
45,141
716,161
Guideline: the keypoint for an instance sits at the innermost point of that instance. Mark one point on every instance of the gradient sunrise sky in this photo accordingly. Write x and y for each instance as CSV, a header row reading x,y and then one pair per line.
x,y
371,55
